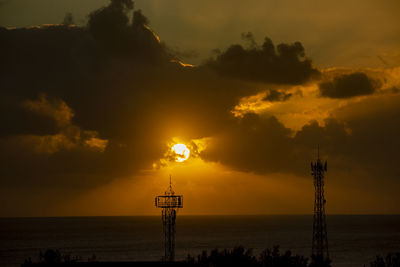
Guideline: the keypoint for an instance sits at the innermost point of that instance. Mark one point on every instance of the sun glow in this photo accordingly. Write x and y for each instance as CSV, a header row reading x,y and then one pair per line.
x,y
181,151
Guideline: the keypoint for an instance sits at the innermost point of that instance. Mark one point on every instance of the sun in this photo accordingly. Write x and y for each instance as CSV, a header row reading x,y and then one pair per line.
x,y
181,151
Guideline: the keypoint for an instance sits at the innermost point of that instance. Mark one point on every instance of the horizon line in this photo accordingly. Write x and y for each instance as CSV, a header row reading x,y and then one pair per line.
x,y
198,215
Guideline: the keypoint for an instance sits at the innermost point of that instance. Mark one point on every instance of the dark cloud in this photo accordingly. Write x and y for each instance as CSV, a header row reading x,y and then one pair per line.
x,y
68,19
394,90
95,74
364,137
17,120
119,35
252,144
264,145
283,64
349,85
117,82
276,95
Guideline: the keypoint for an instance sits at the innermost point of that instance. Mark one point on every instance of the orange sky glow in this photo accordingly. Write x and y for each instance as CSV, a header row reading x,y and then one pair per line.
x,y
232,104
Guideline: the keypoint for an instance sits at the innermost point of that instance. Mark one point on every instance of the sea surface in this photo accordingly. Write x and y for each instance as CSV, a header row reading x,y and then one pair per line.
x,y
353,240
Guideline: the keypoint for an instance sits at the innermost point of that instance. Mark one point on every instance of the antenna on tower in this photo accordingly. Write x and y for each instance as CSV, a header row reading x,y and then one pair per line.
x,y
170,184
169,203
320,253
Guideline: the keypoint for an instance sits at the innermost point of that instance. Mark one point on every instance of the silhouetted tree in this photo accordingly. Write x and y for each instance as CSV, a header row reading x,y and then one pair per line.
x,y
236,257
244,257
51,256
54,258
391,260
319,261
273,258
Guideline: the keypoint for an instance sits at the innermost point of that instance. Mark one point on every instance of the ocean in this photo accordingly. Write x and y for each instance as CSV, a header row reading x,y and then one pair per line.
x,y
354,240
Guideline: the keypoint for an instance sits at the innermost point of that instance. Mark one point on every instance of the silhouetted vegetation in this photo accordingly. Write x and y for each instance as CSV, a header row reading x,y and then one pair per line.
x,y
236,257
54,258
240,256
391,260
271,258
319,261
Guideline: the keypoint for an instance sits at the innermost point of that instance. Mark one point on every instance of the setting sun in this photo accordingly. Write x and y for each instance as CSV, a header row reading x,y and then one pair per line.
x,y
181,151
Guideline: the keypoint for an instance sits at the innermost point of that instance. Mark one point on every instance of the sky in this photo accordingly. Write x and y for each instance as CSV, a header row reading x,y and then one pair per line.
x,y
96,94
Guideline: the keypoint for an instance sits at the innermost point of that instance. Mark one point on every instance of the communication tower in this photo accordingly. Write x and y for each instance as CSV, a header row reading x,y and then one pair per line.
x,y
169,203
320,254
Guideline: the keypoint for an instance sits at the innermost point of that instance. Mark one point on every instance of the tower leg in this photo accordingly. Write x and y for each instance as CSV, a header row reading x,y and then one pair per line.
x,y
320,254
169,229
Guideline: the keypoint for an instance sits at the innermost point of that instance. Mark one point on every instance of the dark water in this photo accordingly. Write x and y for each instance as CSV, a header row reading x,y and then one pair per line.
x,y
353,240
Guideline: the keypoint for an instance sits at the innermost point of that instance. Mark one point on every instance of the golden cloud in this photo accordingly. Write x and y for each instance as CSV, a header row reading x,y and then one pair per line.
x,y
70,136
